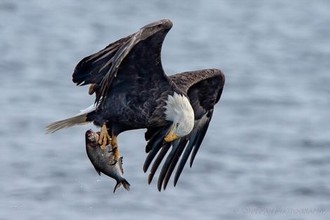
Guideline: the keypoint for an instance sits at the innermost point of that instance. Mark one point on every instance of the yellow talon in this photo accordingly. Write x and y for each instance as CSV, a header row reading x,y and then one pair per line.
x,y
104,137
114,147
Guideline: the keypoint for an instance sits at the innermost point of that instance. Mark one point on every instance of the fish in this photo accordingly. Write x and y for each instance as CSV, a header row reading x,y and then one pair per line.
x,y
103,161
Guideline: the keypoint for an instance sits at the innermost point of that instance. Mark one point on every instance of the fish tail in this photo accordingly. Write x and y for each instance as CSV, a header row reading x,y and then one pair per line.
x,y
66,123
123,182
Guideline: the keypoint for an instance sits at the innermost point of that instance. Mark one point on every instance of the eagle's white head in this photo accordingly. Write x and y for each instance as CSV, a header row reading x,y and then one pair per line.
x,y
178,110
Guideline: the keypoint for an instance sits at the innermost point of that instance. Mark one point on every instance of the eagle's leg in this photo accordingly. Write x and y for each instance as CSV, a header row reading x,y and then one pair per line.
x,y
115,149
104,137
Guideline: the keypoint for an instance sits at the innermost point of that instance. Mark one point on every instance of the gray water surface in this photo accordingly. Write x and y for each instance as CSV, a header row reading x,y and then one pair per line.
x,y
266,154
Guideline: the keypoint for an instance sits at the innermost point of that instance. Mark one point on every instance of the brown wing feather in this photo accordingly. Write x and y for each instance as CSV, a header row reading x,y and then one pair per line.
x,y
135,56
93,68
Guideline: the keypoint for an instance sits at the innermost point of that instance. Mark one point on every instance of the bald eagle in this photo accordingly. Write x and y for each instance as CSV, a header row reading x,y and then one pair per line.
x,y
133,92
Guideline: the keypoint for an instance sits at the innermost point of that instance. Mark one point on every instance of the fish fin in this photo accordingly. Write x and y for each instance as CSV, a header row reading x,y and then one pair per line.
x,y
120,161
123,183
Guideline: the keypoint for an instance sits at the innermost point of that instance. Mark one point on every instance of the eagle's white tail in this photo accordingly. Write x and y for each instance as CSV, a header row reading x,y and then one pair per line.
x,y
66,123
78,119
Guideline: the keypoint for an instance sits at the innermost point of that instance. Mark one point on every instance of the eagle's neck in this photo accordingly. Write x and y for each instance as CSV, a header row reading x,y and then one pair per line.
x,y
180,112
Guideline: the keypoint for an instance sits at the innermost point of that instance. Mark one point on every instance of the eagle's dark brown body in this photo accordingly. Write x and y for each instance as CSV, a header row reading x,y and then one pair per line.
x,y
131,91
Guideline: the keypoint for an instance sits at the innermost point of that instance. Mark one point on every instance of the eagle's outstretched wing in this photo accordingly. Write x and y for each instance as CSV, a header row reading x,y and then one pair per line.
x,y
204,89
127,60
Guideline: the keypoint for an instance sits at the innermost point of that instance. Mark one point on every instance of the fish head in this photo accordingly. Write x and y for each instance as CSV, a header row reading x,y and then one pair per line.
x,y
92,138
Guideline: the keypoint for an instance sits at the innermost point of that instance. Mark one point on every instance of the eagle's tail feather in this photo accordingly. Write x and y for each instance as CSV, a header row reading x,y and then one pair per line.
x,y
80,118
66,123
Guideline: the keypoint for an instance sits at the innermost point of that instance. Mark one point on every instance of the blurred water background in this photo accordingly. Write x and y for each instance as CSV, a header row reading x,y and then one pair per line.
x,y
266,154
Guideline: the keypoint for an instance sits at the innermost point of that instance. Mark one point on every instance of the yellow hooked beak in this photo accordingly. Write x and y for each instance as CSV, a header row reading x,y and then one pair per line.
x,y
171,136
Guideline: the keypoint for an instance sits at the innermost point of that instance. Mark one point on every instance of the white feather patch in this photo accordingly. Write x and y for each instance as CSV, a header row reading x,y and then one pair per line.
x,y
179,110
87,110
